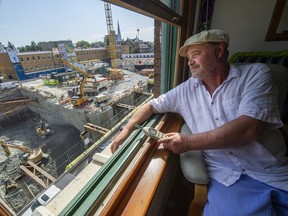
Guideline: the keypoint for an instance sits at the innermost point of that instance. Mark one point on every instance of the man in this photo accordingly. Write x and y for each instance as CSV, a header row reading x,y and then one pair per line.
x,y
233,114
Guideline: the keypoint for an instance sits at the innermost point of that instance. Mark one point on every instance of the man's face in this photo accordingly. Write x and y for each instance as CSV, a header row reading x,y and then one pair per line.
x,y
201,60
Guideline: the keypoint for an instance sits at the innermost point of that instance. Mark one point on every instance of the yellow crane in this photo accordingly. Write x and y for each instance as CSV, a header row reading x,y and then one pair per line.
x,y
34,155
115,74
77,101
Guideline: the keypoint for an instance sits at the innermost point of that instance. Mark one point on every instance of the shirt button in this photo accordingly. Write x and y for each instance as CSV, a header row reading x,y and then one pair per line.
x,y
243,170
217,119
212,102
230,153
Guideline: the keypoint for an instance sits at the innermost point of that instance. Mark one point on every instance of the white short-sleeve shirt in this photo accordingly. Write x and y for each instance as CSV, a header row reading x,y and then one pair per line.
x,y
248,90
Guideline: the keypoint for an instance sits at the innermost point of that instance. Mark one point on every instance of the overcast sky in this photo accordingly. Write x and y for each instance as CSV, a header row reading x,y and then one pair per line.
x,y
23,21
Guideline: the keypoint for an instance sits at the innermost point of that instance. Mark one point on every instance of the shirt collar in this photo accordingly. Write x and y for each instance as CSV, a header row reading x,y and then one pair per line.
x,y
234,71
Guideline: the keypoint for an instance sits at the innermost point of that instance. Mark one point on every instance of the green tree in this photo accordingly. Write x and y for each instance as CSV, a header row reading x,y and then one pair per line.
x,y
33,46
21,49
27,48
98,44
83,44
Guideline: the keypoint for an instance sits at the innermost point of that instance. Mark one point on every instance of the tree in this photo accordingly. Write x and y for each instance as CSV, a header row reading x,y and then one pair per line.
x,y
27,48
83,44
33,46
21,49
98,44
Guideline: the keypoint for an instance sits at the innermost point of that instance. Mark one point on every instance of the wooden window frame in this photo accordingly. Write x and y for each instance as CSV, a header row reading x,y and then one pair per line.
x,y
113,196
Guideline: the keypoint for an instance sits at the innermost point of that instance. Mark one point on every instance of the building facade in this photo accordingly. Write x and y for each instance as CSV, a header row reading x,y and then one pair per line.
x,y
26,65
138,61
91,53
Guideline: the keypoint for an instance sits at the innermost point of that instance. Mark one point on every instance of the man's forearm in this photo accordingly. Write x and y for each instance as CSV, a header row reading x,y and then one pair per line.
x,y
141,114
232,134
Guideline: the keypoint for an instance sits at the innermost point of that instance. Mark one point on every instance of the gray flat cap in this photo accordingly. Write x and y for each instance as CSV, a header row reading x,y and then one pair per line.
x,y
213,35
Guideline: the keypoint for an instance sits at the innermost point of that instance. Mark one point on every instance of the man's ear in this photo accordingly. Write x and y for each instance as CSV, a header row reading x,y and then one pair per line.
x,y
221,50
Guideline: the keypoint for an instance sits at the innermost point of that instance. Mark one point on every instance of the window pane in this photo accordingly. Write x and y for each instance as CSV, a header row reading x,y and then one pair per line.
x,y
173,4
141,54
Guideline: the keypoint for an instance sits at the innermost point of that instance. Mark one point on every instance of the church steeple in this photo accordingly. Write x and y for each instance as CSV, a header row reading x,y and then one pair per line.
x,y
119,37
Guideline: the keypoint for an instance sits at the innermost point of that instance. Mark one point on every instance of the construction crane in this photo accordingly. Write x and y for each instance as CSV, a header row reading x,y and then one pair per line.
x,y
34,155
75,100
115,74
111,34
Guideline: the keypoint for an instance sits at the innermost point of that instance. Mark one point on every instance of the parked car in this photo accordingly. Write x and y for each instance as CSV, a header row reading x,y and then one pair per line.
x,y
43,199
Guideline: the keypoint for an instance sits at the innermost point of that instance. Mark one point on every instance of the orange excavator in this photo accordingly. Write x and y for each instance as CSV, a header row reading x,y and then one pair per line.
x,y
34,155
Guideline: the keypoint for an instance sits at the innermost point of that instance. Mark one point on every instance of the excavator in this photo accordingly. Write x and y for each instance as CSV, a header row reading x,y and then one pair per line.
x,y
82,98
34,155
43,130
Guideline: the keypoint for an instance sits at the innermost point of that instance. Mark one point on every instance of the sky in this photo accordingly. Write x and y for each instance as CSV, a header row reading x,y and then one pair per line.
x,y
23,21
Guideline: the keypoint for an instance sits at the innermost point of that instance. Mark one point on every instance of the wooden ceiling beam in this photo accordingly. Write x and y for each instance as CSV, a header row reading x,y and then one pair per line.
x,y
152,8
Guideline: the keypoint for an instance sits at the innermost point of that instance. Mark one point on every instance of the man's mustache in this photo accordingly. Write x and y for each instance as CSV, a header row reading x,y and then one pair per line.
x,y
194,66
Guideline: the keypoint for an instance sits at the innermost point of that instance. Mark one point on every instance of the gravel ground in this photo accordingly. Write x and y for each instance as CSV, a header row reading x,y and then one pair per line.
x,y
21,131
24,133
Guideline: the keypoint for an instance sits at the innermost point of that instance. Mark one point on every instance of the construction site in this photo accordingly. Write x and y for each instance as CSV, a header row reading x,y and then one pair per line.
x,y
59,111
45,127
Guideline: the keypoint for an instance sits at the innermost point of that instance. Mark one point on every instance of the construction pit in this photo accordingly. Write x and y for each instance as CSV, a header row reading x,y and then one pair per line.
x,y
24,107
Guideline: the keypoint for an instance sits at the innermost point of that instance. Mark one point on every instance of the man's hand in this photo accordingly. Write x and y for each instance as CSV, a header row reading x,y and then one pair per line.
x,y
143,113
237,132
176,142
119,139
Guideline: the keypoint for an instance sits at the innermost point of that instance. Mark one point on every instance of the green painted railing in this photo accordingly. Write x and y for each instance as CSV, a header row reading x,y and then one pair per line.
x,y
93,193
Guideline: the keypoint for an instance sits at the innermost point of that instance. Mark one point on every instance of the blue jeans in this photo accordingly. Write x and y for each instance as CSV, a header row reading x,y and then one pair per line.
x,y
246,197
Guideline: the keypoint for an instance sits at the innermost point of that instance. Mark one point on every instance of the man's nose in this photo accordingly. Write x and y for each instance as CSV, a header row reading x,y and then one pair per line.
x,y
191,62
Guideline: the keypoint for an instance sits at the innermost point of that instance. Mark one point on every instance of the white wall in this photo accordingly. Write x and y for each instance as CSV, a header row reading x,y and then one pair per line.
x,y
247,22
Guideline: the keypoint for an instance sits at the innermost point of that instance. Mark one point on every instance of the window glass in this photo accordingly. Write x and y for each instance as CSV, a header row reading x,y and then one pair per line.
x,y
45,198
144,53
173,4
35,205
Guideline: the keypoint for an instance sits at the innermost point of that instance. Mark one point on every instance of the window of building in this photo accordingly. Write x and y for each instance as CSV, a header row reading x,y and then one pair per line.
x,y
169,41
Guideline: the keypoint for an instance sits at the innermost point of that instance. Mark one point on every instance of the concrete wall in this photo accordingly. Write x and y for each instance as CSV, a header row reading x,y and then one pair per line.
x,y
244,18
57,114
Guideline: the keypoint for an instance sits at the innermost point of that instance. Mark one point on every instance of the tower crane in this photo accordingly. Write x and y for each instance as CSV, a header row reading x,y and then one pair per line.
x,y
114,72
